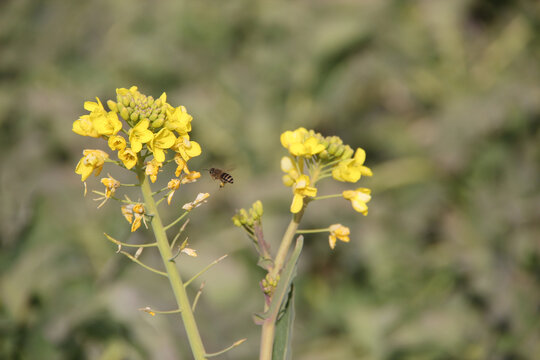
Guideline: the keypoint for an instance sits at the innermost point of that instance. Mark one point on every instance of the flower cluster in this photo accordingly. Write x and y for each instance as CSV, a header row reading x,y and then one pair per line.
x,y
313,157
153,128
141,130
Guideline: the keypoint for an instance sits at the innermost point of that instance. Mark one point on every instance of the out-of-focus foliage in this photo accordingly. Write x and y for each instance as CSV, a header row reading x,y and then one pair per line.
x,y
443,95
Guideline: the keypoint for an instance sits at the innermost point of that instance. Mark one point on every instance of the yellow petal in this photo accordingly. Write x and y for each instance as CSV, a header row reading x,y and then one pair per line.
x,y
297,203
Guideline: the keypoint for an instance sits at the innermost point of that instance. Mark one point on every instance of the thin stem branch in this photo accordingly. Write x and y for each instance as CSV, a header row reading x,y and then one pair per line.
x,y
312,231
120,243
153,312
204,270
327,196
226,349
176,221
179,233
196,300
134,259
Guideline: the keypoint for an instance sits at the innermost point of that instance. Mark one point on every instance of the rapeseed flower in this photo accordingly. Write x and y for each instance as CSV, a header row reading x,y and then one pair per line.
x,y
338,232
358,198
92,161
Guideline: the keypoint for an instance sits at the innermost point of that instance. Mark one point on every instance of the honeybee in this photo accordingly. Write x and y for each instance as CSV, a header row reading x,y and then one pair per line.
x,y
222,176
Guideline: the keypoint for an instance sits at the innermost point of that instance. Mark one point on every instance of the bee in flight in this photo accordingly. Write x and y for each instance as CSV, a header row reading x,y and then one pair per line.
x,y
222,176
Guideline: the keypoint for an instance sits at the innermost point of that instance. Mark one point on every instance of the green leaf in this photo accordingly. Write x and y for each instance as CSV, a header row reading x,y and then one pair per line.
x,y
284,329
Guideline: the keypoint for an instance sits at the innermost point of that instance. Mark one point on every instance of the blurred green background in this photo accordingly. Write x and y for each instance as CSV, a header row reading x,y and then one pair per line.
x,y
443,95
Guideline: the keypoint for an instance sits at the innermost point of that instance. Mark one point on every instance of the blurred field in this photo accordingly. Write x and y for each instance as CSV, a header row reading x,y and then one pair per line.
x,y
443,95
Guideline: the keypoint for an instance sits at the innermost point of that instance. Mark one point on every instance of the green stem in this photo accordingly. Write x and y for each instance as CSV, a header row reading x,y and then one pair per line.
x,y
197,347
269,326
286,242
312,231
176,221
327,196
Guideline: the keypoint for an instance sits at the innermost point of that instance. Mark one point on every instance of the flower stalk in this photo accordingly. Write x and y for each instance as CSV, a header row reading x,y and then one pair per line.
x,y
175,280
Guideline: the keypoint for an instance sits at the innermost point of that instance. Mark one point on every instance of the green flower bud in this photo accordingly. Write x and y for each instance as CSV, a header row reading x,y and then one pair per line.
x,y
134,116
124,114
332,149
347,153
258,208
157,123
243,215
236,221
324,155
339,151
125,101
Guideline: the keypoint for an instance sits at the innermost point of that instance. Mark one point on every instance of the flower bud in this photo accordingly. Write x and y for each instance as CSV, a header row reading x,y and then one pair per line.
x,y
258,208
124,114
347,153
134,116
157,123
339,151
332,148
287,180
112,105
236,221
324,155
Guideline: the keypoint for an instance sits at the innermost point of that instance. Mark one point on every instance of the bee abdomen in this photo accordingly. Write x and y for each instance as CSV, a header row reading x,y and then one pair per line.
x,y
227,178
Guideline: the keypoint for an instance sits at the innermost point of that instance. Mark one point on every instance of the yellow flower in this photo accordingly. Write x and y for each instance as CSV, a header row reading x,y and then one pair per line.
x,y
301,189
111,184
173,185
300,143
289,138
152,169
351,170
191,177
358,198
134,214
84,127
92,160
338,232
107,124
186,148
128,157
139,135
201,198
178,120
164,139
182,165
311,146
117,142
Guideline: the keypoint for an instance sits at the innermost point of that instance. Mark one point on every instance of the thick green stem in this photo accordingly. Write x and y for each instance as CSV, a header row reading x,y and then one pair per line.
x,y
286,242
177,285
269,325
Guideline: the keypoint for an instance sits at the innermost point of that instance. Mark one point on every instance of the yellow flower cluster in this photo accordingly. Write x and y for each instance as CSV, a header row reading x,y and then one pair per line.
x,y
313,157
153,127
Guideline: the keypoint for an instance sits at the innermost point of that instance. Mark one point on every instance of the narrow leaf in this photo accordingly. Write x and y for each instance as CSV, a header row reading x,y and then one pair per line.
x,y
284,325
